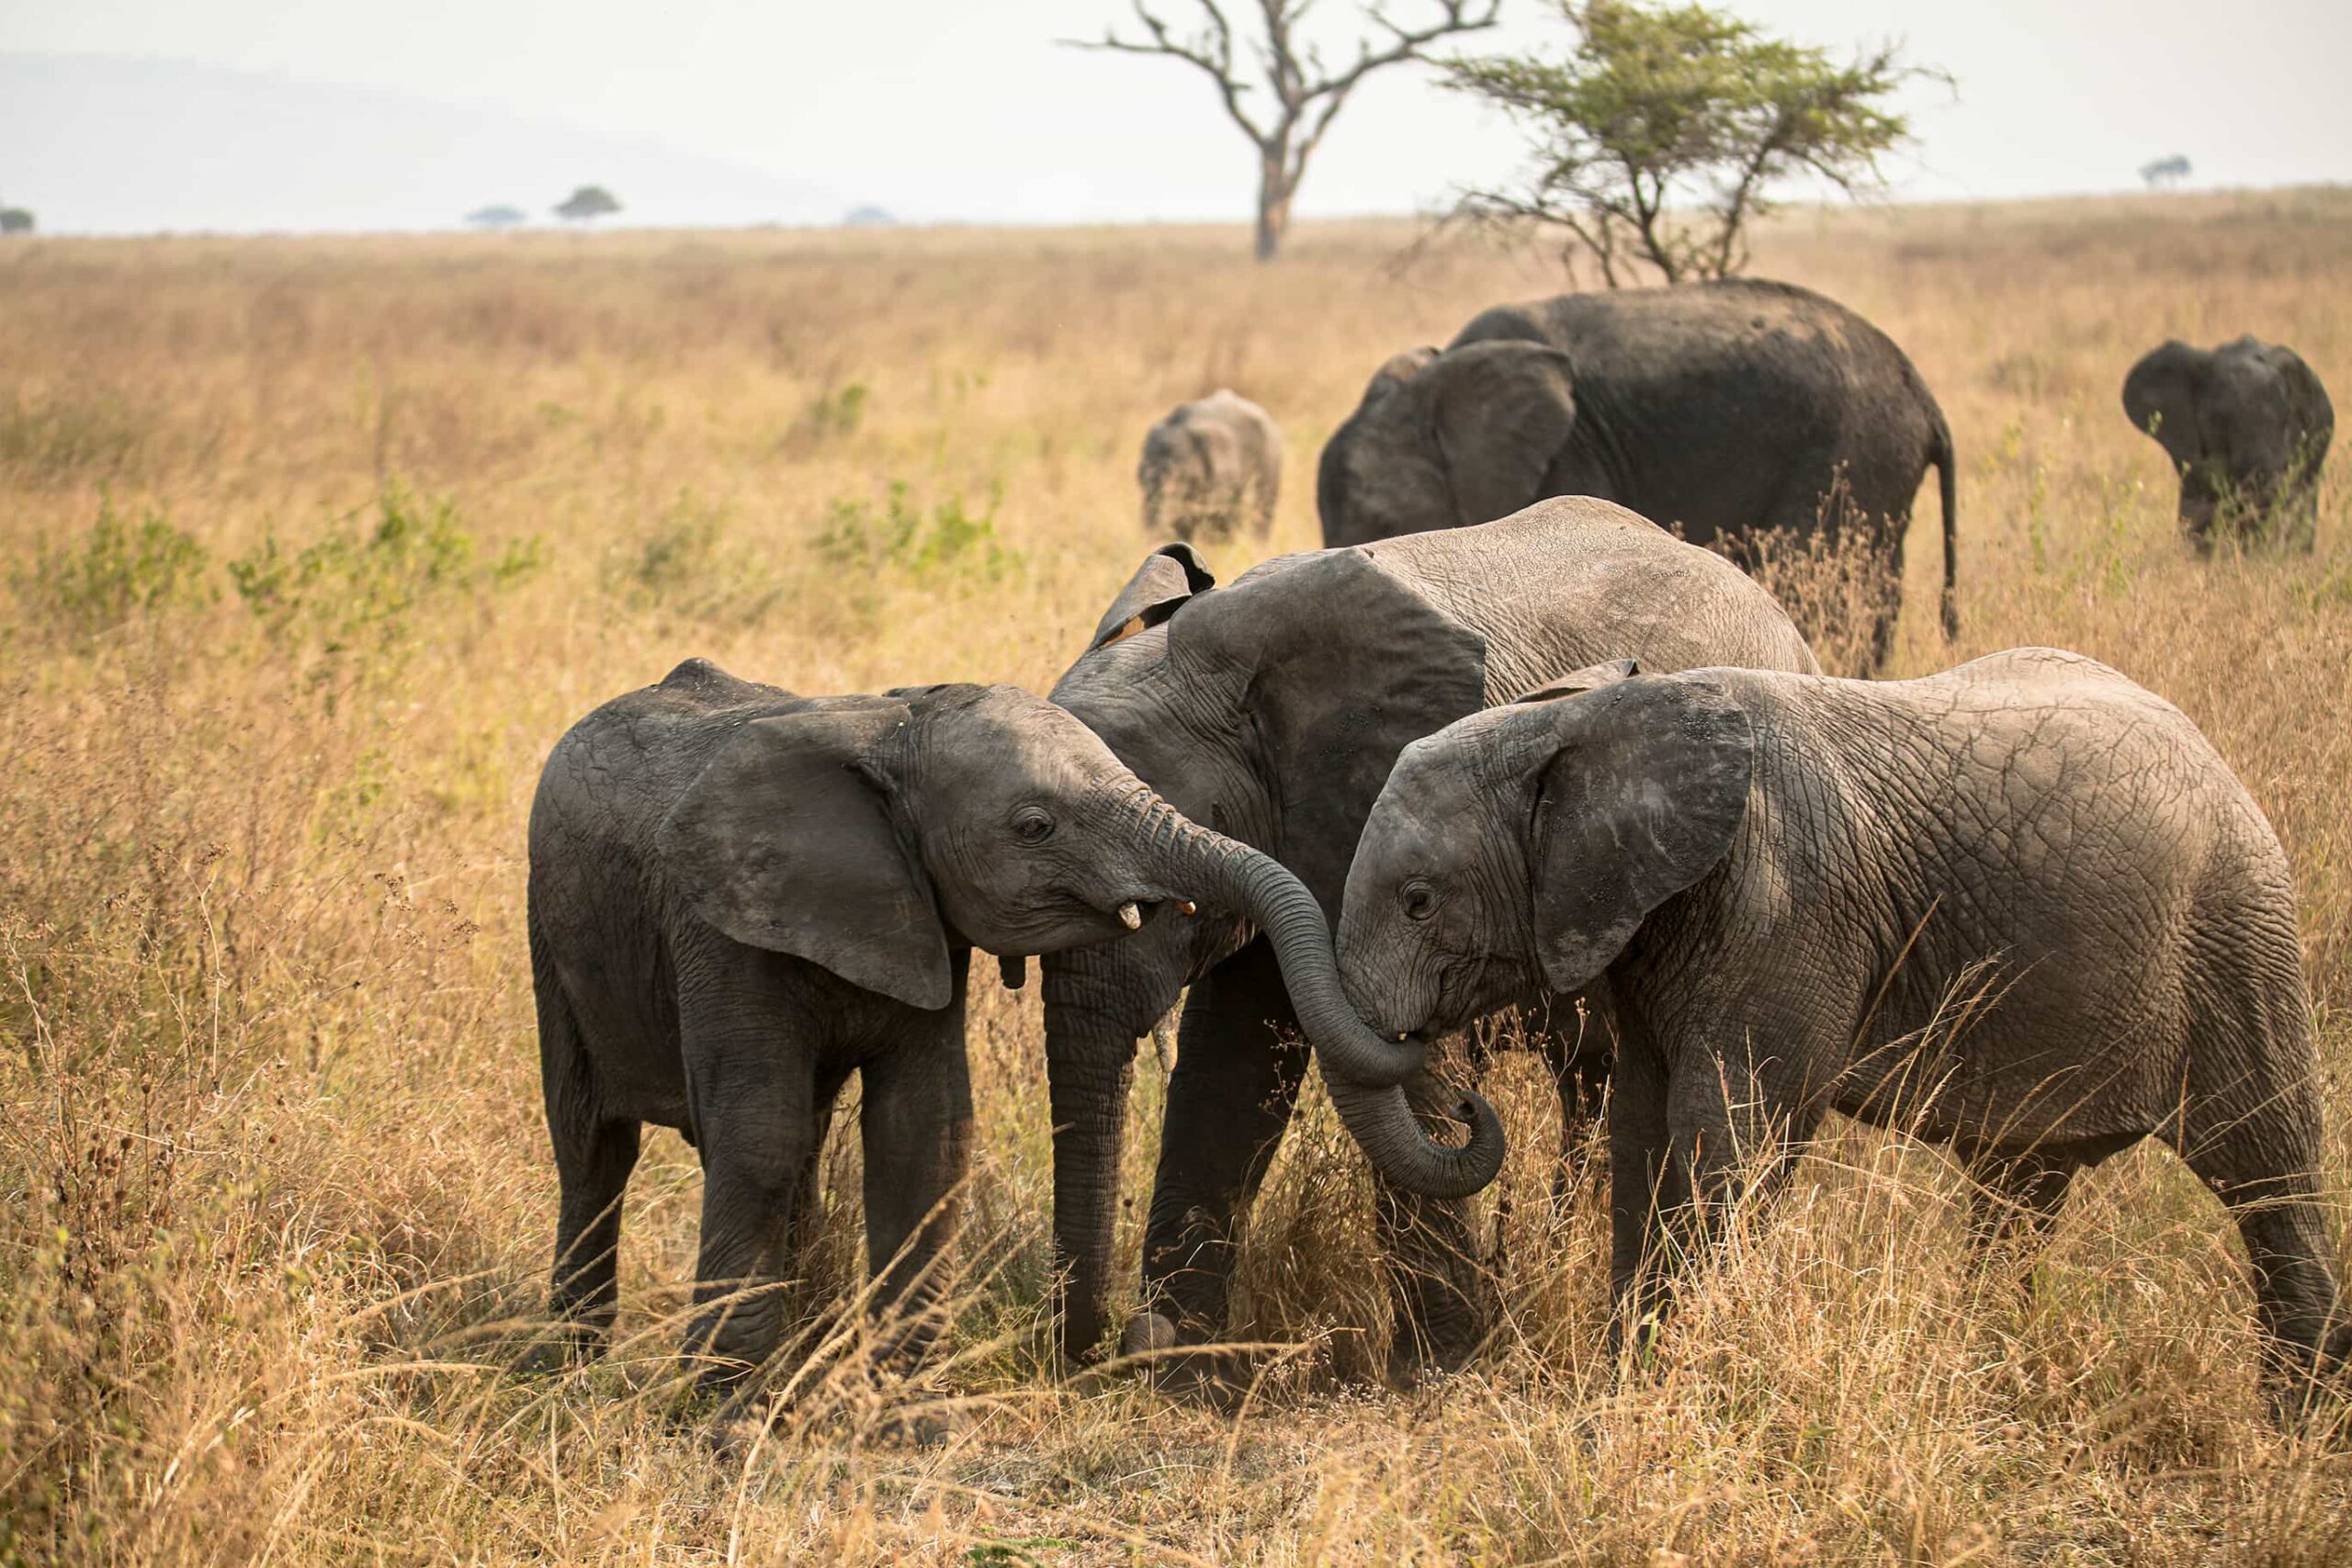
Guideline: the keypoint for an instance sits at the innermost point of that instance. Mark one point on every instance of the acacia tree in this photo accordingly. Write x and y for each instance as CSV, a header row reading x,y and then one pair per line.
x,y
1662,135
1300,94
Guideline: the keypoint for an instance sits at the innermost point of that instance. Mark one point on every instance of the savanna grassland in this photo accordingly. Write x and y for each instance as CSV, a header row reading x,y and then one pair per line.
x,y
311,548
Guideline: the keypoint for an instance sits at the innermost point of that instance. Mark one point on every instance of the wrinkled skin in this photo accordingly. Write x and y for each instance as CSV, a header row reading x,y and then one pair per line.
x,y
2246,426
1211,469
1727,411
739,897
2021,907
1270,710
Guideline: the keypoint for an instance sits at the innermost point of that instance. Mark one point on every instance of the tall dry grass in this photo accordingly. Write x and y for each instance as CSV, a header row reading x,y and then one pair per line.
x,y
314,548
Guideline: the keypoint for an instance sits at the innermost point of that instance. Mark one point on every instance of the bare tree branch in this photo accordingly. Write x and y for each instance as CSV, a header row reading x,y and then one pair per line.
x,y
1305,95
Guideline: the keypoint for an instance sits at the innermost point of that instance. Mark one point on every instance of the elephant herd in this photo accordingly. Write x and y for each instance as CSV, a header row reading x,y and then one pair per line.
x,y
1505,743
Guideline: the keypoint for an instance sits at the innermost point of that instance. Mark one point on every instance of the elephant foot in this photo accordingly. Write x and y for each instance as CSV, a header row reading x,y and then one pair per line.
x,y
915,1430
1217,1377
1146,1332
563,1347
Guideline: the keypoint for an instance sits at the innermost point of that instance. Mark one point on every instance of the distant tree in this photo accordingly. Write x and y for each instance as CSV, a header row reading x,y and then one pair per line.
x,y
1304,96
867,217
1664,133
2165,173
16,220
500,217
587,202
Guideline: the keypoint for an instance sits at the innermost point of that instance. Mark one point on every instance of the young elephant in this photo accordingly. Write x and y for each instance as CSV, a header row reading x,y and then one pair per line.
x,y
2246,425
1211,467
1779,887
738,896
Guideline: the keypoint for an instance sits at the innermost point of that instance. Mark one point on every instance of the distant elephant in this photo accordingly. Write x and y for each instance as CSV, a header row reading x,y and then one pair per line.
x,y
2246,426
738,895
2021,907
1728,410
1211,468
1270,710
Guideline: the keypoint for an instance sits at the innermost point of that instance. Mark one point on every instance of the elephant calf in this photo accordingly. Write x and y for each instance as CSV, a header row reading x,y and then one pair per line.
x,y
2247,426
1212,468
2021,907
739,897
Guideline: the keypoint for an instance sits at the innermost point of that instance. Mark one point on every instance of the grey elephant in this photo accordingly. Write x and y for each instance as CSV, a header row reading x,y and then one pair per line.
x,y
2246,425
1211,469
1729,411
1270,710
738,896
2021,907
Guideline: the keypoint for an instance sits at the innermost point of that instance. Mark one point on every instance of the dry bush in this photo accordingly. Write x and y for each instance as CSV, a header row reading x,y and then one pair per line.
x,y
278,1202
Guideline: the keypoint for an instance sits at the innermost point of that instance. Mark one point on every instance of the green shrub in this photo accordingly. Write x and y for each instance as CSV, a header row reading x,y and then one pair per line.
x,y
948,540
688,564
117,571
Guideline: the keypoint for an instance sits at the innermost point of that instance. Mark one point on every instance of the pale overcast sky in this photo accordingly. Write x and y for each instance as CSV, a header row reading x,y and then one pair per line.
x,y
966,109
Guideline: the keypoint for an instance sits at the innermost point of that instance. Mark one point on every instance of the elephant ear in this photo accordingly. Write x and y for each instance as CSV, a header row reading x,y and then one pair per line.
x,y
1341,665
2315,416
1400,369
1643,796
1501,411
785,841
1608,672
2160,397
1168,577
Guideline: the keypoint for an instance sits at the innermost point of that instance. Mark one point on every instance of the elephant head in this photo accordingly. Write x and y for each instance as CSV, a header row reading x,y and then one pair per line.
x,y
1269,712
2246,426
1522,848
1447,439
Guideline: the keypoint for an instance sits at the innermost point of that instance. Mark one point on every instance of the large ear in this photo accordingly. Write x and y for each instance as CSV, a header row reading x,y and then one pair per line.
x,y
784,841
1168,577
2160,398
1608,672
1642,797
1501,410
1343,666
2315,416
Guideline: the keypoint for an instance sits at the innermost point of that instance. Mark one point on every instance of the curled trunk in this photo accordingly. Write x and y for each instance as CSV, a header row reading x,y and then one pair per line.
x,y
1363,1071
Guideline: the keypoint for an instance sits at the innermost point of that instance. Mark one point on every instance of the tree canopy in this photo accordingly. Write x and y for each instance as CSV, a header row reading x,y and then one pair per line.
x,y
1667,130
588,201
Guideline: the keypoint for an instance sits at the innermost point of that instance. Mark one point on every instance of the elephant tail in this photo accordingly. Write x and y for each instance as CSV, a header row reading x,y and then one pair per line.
x,y
1947,488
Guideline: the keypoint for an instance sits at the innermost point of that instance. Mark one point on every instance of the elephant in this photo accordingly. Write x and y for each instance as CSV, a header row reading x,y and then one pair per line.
x,y
738,896
1270,710
1212,466
2021,907
2246,424
1731,410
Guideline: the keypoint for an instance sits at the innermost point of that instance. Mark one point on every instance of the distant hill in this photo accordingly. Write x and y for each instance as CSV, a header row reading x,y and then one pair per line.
x,y
125,144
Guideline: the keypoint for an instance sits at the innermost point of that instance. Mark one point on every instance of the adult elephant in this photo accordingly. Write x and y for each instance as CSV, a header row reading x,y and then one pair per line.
x,y
1213,467
2246,426
1729,411
2021,907
739,897
1269,711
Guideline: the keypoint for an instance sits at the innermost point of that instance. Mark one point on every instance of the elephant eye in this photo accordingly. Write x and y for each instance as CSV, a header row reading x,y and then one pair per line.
x,y
1418,899
1030,825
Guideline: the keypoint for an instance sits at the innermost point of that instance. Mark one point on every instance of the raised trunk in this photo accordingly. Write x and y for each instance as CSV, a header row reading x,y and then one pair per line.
x,y
1363,1071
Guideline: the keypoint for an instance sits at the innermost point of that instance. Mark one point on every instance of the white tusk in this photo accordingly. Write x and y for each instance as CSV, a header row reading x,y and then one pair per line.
x,y
1401,1034
1130,916
1184,906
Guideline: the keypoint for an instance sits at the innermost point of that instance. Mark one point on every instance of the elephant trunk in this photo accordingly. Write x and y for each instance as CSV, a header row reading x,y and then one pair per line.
x,y
1090,1066
1363,1071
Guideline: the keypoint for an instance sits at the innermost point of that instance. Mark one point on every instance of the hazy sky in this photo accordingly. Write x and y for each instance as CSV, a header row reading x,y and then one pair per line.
x,y
963,108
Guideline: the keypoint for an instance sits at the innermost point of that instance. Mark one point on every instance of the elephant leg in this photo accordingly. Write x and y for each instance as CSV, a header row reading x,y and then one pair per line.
x,y
1441,1292
594,1156
750,1057
2016,1200
1229,1102
1578,1050
916,1126
1644,1184
2262,1160
1734,1127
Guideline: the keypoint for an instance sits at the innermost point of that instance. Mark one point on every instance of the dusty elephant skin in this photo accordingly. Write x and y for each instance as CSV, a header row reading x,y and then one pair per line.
x,y
2021,907
1727,411
738,896
2246,425
1211,469
1270,710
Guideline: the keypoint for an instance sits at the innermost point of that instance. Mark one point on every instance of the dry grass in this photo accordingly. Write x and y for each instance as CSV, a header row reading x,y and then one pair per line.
x,y
276,1199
